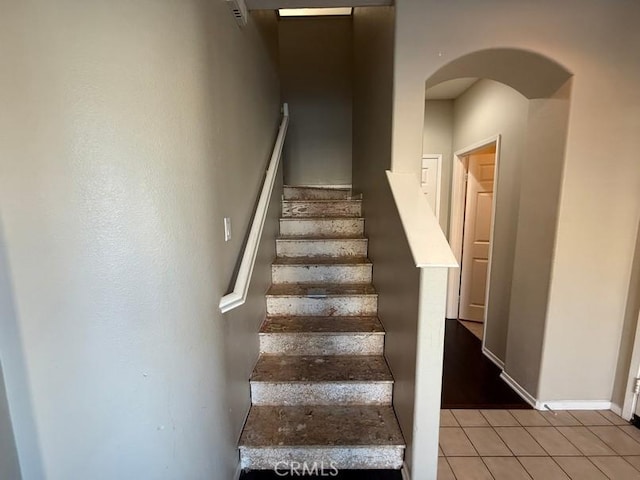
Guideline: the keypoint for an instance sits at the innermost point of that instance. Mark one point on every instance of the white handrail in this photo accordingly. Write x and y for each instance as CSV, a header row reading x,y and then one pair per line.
x,y
241,287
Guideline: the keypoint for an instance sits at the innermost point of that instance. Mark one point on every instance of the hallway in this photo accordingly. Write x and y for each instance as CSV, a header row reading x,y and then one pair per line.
x,y
469,379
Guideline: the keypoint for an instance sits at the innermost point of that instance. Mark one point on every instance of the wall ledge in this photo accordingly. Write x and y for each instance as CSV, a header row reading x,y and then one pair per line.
x,y
427,242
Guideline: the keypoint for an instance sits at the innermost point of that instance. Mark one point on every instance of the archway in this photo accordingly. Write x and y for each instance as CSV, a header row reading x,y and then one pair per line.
x,y
527,192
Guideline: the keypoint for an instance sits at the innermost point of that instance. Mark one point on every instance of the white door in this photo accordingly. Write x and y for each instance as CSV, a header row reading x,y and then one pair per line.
x,y
430,181
476,236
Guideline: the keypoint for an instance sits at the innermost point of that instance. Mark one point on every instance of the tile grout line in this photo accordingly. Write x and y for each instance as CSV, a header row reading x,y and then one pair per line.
x,y
586,425
487,466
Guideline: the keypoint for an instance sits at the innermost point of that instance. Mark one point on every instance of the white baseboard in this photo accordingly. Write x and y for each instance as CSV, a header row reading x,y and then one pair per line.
x,y
617,410
405,472
489,354
526,396
574,405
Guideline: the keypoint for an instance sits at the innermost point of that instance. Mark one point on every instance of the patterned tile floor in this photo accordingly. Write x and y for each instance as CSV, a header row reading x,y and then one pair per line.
x,y
533,445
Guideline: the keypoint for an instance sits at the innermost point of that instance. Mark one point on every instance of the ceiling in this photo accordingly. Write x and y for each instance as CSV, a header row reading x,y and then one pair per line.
x,y
276,4
450,90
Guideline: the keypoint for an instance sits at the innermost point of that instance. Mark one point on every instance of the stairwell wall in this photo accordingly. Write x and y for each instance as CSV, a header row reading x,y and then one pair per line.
x,y
316,70
129,130
395,275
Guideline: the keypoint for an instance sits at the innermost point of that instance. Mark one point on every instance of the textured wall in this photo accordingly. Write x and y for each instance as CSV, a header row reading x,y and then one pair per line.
x,y
596,233
129,129
316,74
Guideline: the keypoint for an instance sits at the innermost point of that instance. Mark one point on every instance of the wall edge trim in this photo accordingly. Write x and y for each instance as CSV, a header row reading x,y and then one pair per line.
x,y
520,390
493,357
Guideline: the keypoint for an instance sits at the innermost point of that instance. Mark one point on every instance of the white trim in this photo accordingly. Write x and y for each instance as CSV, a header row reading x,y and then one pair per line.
x,y
241,287
236,475
617,409
574,405
491,356
456,228
405,471
556,404
427,242
526,396
630,398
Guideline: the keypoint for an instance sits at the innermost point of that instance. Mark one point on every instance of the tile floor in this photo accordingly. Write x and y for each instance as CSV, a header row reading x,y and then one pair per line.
x,y
533,445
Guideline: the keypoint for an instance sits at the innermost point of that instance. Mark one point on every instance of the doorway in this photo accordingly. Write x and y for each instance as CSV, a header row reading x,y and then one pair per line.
x,y
472,221
470,378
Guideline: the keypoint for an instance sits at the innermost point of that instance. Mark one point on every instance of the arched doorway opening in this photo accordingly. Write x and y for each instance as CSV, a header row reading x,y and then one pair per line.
x,y
515,102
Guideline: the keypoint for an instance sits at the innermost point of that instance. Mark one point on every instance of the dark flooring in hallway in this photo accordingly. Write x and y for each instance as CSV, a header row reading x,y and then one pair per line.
x,y
469,379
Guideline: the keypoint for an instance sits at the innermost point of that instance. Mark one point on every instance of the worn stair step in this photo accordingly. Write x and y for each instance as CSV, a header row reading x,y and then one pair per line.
x,y
321,270
322,300
322,336
344,437
321,208
321,247
316,193
322,227
321,380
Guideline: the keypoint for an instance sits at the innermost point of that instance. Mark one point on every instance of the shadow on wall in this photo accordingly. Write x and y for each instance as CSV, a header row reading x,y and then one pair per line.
x,y
625,368
527,197
23,441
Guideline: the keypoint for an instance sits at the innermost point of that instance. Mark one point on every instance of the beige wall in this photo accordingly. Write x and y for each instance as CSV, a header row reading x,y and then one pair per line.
x,y
129,129
395,276
438,138
316,74
542,167
593,247
487,109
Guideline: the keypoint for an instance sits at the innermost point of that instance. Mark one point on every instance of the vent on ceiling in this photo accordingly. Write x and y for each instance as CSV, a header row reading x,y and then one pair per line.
x,y
239,11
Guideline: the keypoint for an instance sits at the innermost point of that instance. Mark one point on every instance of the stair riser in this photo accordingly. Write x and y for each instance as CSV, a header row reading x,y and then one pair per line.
x,y
319,344
342,458
311,248
301,193
321,393
341,227
321,273
344,305
323,209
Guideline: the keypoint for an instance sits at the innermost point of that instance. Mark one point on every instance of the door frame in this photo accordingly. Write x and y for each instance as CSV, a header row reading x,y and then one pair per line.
x,y
456,224
628,407
438,158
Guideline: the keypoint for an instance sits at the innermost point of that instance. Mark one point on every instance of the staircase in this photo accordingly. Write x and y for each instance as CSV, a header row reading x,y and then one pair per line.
x,y
321,390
